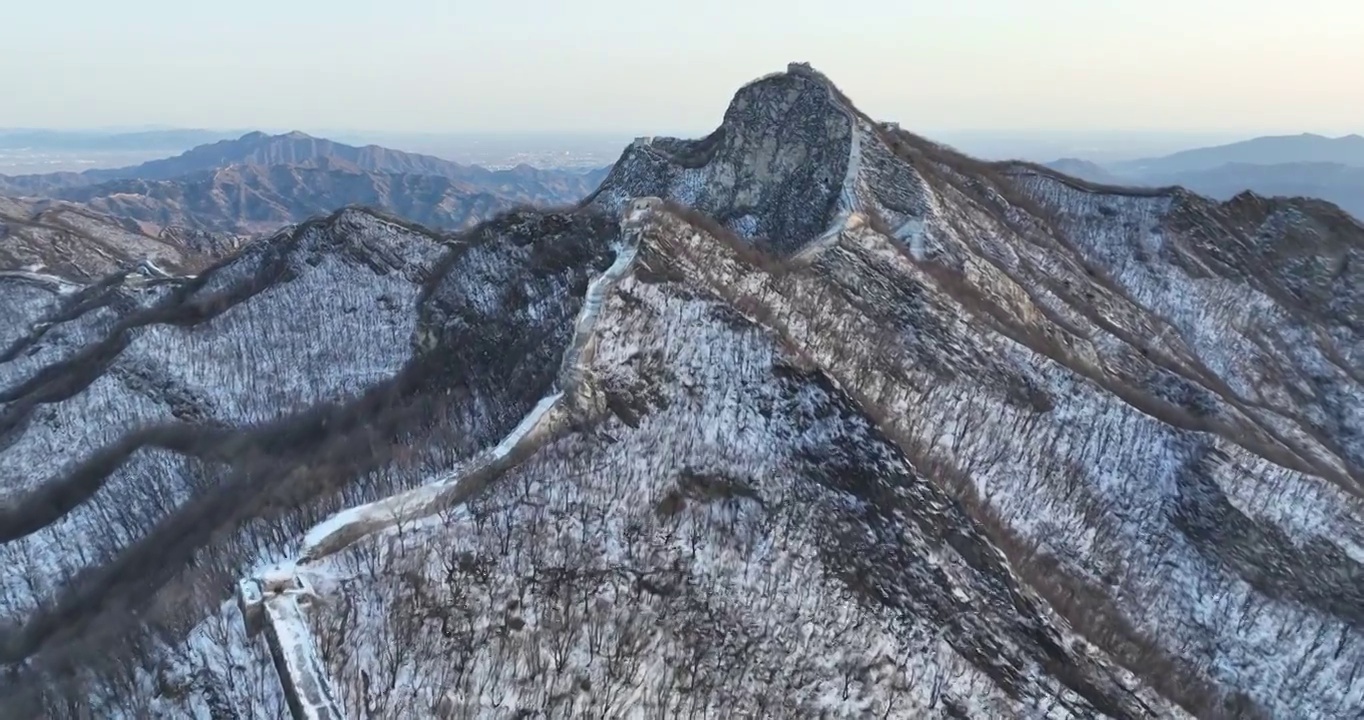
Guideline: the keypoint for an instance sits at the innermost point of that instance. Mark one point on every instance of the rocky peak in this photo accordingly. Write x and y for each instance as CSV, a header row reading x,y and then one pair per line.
x,y
774,170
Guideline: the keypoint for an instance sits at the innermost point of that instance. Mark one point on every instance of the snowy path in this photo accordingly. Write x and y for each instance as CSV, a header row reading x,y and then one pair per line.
x,y
350,525
311,697
304,676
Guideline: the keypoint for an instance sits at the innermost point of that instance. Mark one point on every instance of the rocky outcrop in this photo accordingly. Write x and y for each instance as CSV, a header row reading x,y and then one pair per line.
x,y
774,170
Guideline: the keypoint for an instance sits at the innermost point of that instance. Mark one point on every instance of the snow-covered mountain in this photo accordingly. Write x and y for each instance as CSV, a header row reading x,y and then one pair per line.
x,y
808,418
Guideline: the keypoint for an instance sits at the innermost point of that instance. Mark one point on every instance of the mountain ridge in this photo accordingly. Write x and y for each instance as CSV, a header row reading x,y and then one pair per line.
x,y
1266,150
250,198
925,436
186,220
258,148
82,245
1304,165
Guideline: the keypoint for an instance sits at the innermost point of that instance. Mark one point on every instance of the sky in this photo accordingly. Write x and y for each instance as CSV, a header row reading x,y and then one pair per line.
x,y
618,66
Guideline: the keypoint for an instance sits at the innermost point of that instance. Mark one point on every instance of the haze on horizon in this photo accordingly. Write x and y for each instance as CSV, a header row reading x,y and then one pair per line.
x,y
1226,66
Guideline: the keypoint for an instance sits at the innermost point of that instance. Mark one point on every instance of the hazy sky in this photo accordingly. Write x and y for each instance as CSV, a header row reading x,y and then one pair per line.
x,y
640,66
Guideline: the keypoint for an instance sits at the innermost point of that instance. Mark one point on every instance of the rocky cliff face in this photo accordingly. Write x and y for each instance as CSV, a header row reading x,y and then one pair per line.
x,y
839,423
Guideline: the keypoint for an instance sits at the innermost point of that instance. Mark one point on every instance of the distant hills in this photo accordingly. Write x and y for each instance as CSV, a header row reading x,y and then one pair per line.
x,y
257,183
1334,182
246,198
1086,170
209,199
295,148
1305,165
78,243
1271,150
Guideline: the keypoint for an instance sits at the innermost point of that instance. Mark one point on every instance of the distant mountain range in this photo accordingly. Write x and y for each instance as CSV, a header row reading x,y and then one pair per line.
x,y
209,199
1272,150
1086,170
296,148
261,198
1303,165
258,183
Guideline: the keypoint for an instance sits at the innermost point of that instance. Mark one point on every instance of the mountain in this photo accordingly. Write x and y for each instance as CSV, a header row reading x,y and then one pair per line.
x,y
294,148
1306,165
1086,170
810,417
76,243
250,199
1340,184
258,183
1334,182
1274,150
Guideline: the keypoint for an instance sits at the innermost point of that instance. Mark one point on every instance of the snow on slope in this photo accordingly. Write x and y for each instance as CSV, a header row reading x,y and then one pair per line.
x,y
1114,494
24,302
283,617
719,515
514,285
255,361
1051,355
1046,449
252,361
1232,327
543,420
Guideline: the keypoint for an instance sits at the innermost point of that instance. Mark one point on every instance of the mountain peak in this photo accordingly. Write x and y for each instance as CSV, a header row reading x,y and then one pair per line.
x,y
780,169
260,148
257,136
